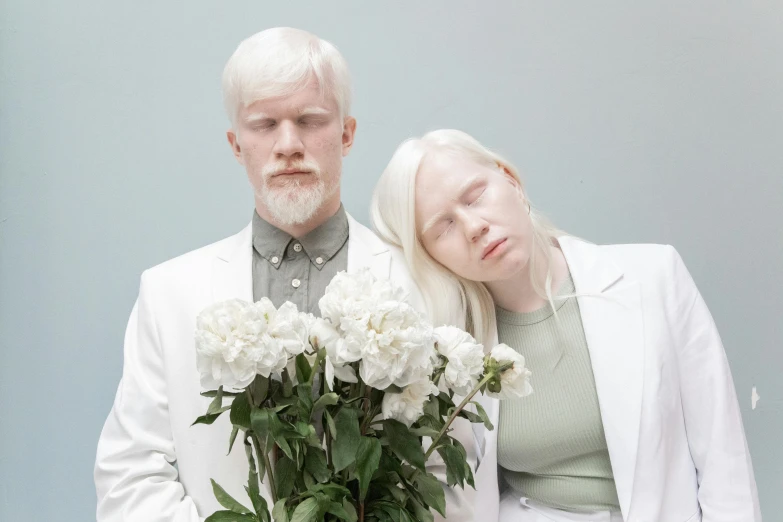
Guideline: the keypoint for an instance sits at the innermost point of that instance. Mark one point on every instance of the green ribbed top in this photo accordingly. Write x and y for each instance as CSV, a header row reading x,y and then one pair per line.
x,y
551,444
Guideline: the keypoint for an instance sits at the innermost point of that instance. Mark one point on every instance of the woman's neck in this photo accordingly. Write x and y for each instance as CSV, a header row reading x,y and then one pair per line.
x,y
517,294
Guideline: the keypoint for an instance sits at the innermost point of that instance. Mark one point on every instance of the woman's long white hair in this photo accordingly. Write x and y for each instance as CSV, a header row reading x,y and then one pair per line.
x,y
450,299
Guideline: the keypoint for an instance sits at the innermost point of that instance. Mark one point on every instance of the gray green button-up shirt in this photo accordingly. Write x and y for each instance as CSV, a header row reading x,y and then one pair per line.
x,y
298,270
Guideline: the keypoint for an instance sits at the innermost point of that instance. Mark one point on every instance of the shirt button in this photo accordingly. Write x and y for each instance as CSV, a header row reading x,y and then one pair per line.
x,y
295,283
275,260
319,260
297,247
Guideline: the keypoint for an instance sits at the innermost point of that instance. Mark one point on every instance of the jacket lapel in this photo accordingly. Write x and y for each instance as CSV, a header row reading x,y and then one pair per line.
x,y
365,249
610,306
232,268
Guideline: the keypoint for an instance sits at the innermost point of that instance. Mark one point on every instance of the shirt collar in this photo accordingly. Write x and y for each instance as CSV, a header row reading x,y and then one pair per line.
x,y
320,244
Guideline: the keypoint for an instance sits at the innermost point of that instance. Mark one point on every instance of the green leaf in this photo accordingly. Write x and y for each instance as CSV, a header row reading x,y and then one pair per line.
x,y
303,368
403,443
211,417
328,399
288,387
308,480
424,431
260,421
306,511
350,510
344,447
431,492
334,491
240,412
330,425
259,503
472,417
422,513
305,393
315,464
279,512
232,438
468,473
217,402
445,403
483,414
226,500
368,457
432,407
282,433
259,389
212,393
230,516
337,509
455,464
285,474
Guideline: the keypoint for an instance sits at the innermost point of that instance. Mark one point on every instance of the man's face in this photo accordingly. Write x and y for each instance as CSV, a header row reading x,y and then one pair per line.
x,y
292,148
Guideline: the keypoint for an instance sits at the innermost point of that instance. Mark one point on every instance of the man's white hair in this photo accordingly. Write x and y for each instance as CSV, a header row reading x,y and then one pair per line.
x,y
279,62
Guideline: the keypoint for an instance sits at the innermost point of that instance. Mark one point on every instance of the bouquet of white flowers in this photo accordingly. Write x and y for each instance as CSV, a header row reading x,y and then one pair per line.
x,y
374,373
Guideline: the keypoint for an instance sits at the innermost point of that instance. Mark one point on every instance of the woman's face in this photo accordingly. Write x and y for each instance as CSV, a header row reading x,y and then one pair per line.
x,y
472,219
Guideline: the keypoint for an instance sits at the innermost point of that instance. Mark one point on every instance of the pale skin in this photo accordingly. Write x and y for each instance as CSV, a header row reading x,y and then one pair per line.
x,y
282,134
474,220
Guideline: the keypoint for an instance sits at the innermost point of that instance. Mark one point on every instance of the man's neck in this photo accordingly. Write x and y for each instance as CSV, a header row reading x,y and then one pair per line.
x,y
298,230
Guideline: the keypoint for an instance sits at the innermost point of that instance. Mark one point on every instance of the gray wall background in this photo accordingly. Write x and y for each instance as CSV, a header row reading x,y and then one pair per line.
x,y
633,122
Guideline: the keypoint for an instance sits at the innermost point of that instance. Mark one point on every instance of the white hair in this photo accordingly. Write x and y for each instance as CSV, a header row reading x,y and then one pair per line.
x,y
450,299
279,62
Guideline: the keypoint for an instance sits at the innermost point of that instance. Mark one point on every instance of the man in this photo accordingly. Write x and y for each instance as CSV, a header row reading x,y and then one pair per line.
x,y
287,94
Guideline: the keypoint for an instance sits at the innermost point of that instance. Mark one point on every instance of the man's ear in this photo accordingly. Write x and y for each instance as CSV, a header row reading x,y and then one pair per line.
x,y
349,131
233,142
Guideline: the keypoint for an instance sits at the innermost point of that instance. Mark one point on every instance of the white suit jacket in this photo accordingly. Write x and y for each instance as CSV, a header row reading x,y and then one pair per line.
x,y
151,464
670,413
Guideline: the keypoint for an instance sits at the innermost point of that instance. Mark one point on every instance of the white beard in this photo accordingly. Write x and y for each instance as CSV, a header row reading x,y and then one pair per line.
x,y
294,204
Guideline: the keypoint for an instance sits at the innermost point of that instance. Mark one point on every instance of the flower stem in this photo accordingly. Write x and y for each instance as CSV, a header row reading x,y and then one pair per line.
x,y
459,408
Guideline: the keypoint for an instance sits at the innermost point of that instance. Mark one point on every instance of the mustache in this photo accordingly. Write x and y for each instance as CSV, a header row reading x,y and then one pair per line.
x,y
274,169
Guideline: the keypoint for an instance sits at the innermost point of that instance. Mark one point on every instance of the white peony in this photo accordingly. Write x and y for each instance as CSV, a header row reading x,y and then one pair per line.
x,y
465,358
515,382
324,335
290,328
393,342
408,405
352,295
398,346
230,341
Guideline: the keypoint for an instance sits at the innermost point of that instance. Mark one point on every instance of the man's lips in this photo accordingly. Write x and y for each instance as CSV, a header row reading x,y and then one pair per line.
x,y
490,248
289,172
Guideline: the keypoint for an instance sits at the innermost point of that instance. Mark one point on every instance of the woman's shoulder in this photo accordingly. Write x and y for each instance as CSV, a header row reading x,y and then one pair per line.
x,y
638,259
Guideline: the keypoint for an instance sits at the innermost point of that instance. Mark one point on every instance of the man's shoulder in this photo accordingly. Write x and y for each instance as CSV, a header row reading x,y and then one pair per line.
x,y
195,261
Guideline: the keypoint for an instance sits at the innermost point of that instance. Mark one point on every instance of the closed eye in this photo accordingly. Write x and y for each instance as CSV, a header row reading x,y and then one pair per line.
x,y
446,230
478,199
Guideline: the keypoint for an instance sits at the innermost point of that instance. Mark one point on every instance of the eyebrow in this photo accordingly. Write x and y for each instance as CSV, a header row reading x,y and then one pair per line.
x,y
466,187
313,111
256,117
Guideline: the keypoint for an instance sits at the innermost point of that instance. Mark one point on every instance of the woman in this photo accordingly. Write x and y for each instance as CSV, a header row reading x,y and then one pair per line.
x,y
634,415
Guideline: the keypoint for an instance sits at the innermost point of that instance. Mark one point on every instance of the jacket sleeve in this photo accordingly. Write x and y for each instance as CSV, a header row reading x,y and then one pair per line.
x,y
135,472
713,421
